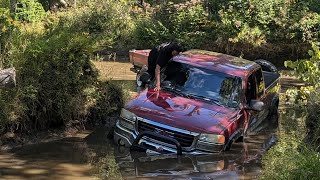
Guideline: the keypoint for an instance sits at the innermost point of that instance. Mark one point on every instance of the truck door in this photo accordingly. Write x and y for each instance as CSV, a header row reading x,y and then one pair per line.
x,y
255,91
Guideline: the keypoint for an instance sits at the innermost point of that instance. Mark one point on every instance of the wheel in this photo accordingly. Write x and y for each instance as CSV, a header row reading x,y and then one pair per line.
x,y
274,109
266,65
142,71
273,113
138,81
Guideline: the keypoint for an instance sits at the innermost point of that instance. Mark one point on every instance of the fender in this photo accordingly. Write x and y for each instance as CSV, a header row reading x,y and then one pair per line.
x,y
233,138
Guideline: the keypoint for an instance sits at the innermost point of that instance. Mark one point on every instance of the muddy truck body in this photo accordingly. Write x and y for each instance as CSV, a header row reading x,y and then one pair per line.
x,y
207,101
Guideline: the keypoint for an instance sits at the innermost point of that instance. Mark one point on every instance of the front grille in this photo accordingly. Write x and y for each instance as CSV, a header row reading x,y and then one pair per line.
x,y
185,140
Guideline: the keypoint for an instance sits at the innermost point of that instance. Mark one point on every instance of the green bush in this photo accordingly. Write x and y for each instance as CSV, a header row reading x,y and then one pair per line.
x,y
276,30
278,20
187,25
307,70
56,81
109,99
148,33
313,121
291,157
29,10
289,160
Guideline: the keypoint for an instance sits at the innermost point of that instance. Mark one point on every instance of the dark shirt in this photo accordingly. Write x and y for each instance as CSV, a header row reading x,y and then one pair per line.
x,y
159,55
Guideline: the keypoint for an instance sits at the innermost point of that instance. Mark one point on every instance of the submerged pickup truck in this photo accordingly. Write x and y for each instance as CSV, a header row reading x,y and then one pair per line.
x,y
207,101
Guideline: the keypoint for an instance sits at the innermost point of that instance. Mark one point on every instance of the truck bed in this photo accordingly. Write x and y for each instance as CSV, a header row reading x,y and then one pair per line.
x,y
139,57
270,78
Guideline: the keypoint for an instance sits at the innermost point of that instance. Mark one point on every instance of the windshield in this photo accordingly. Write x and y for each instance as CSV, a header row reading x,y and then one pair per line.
x,y
202,84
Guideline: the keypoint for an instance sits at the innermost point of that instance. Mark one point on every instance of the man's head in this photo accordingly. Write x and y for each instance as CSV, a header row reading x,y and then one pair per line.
x,y
176,48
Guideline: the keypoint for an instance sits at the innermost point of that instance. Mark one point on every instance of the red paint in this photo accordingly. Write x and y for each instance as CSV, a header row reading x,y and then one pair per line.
x,y
197,116
218,62
181,112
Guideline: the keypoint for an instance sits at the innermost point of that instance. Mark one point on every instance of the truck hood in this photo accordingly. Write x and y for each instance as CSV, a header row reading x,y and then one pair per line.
x,y
181,112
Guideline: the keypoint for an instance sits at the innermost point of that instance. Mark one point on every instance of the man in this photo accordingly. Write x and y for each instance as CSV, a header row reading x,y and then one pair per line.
x,y
159,57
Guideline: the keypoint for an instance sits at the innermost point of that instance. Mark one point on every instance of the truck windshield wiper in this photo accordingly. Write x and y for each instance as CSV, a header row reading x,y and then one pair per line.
x,y
174,90
194,96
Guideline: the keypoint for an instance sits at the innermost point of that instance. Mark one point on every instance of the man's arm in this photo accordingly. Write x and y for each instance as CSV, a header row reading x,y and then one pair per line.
x,y
157,75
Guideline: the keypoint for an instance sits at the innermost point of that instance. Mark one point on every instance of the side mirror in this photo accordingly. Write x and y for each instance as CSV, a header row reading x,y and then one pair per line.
x,y
256,105
145,77
8,78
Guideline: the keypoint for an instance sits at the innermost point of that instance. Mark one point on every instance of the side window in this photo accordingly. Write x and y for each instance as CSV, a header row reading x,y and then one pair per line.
x,y
251,89
260,82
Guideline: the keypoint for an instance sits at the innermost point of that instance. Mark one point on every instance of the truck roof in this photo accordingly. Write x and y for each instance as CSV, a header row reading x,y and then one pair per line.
x,y
217,61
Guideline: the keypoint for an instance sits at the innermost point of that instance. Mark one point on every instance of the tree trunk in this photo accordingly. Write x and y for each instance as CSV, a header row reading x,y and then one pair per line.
x,y
13,5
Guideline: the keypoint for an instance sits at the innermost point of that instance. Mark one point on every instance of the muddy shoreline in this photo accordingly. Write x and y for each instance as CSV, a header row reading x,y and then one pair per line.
x,y
11,140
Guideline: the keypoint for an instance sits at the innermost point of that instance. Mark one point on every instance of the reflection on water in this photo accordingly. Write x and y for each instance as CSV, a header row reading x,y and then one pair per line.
x,y
241,162
91,155
86,156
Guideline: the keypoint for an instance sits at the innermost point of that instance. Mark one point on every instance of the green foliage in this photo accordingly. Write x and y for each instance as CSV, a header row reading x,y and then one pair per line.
x,y
289,160
109,23
148,33
313,121
52,78
291,157
188,25
57,82
5,4
8,29
270,29
109,99
308,71
29,10
275,21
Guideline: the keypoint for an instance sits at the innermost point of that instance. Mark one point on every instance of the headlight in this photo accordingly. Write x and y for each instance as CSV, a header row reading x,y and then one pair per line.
x,y
126,124
212,138
128,115
128,119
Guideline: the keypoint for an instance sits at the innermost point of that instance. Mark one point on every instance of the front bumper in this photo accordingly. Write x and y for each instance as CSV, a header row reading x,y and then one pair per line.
x,y
125,136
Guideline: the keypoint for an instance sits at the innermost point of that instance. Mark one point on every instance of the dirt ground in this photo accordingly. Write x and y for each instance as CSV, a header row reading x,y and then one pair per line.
x,y
115,70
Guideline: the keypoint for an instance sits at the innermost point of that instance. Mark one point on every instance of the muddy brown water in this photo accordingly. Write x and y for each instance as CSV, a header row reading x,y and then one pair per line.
x,y
91,155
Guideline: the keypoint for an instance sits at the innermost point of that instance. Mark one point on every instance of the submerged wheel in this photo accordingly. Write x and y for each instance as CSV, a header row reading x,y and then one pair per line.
x,y
266,65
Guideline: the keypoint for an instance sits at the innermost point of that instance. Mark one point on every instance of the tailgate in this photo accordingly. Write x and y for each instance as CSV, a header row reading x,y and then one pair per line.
x,y
139,57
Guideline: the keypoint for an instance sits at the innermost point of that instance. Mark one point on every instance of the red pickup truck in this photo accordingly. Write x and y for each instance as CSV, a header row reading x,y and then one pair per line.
x,y
207,101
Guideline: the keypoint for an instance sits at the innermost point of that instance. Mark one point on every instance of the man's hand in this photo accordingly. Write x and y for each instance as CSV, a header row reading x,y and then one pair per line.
x,y
157,88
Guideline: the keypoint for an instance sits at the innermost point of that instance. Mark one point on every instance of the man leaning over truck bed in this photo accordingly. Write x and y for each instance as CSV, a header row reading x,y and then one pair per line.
x,y
159,56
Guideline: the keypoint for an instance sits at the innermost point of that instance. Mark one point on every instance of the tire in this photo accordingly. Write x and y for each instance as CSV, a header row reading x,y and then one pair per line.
x,y
138,81
273,113
266,65
143,69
